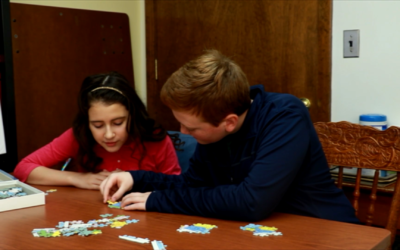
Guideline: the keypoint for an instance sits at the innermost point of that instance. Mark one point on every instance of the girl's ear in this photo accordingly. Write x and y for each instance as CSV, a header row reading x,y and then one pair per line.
x,y
231,122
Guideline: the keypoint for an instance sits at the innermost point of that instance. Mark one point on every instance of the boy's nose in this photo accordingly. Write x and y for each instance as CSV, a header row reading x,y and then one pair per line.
x,y
184,130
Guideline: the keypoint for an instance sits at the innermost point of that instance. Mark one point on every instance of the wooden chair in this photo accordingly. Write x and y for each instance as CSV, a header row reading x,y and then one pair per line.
x,y
353,145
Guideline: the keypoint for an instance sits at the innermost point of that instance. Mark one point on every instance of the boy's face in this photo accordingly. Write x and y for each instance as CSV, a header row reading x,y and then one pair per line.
x,y
202,131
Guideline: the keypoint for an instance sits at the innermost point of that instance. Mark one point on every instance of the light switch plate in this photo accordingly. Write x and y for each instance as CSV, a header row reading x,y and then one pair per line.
x,y
351,43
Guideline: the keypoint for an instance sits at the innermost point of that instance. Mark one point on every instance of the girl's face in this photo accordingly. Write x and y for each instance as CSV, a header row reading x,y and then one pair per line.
x,y
108,124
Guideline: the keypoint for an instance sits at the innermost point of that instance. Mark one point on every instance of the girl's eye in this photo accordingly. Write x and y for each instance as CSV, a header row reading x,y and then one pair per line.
x,y
98,126
118,123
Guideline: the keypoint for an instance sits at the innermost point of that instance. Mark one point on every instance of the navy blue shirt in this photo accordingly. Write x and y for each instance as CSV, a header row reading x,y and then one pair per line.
x,y
275,162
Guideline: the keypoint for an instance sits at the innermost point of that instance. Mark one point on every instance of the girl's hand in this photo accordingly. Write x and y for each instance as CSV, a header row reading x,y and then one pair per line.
x,y
117,171
135,201
115,185
90,180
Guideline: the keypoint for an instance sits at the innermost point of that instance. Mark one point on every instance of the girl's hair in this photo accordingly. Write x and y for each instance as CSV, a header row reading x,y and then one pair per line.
x,y
111,88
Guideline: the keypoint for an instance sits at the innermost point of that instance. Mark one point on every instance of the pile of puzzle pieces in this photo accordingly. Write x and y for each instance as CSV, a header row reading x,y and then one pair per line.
x,y
260,230
69,228
11,192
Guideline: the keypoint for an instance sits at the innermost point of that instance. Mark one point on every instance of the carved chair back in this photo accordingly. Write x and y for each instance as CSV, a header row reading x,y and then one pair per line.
x,y
353,145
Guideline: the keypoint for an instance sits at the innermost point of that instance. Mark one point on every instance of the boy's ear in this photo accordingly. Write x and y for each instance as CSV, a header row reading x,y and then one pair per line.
x,y
231,121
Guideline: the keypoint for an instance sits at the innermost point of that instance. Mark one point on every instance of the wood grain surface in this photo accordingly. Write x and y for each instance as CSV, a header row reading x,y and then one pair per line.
x,y
70,203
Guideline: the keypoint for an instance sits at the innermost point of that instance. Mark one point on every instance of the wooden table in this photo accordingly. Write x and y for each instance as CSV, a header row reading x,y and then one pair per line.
x,y
68,204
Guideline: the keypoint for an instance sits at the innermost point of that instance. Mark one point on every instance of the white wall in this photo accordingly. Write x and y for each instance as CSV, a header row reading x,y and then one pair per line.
x,y
370,83
135,11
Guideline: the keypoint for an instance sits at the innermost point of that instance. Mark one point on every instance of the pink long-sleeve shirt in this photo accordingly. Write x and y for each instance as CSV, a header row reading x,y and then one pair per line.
x,y
160,156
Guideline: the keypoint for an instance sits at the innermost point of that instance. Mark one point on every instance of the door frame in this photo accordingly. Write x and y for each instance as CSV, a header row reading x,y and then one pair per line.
x,y
10,159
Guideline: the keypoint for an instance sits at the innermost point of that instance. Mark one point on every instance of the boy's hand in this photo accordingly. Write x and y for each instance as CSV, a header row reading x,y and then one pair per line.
x,y
115,185
135,201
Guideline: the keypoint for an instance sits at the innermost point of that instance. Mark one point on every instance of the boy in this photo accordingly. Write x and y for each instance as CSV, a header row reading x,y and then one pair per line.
x,y
257,152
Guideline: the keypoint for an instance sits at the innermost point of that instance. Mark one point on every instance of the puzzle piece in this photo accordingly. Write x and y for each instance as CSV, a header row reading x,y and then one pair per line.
x,y
106,215
131,221
118,224
85,233
114,204
120,217
56,234
46,232
134,239
97,232
158,245
207,226
260,230
250,227
193,229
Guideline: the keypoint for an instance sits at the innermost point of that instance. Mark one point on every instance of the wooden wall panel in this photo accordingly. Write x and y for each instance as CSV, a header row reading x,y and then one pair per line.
x,y
54,49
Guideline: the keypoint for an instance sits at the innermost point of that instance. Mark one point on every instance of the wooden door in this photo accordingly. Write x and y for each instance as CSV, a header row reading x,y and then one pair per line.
x,y
54,49
283,44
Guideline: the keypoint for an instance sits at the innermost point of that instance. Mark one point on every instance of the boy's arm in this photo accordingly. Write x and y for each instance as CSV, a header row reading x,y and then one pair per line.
x,y
282,149
146,181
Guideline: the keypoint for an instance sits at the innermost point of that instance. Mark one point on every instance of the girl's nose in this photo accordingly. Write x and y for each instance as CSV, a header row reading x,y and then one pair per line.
x,y
109,134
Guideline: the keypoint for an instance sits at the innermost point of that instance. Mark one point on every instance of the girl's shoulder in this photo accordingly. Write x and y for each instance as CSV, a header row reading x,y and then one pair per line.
x,y
66,137
158,145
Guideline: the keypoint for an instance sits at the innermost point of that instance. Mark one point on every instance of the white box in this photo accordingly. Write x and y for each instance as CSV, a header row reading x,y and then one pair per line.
x,y
33,197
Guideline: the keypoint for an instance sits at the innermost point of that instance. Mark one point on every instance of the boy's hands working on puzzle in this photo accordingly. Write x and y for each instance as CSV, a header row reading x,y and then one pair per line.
x,y
116,185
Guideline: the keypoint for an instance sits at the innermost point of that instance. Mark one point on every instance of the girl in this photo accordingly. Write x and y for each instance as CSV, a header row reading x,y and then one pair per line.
x,y
111,132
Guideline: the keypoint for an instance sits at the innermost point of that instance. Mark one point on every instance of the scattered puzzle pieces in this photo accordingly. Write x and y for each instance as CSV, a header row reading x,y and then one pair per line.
x,y
78,227
11,192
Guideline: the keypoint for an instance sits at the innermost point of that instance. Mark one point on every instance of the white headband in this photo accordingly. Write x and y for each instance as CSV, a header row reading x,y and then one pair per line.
x,y
110,88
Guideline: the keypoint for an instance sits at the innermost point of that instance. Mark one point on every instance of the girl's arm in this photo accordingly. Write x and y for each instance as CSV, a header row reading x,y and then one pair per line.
x,y
35,168
47,176
57,151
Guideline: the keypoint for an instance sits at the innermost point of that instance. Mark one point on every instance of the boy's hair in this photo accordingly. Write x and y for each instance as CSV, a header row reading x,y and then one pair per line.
x,y
111,88
211,86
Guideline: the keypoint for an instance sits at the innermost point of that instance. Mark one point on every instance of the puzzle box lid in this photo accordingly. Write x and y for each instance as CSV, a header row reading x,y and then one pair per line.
x,y
4,176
